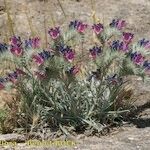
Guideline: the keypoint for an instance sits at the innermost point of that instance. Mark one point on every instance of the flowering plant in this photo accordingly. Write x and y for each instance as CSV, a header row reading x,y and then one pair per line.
x,y
73,82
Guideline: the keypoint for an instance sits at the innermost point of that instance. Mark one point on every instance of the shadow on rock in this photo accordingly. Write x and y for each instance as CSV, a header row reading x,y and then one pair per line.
x,y
136,116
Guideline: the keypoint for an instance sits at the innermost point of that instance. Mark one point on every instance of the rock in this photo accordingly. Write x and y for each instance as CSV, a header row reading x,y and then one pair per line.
x,y
131,138
12,138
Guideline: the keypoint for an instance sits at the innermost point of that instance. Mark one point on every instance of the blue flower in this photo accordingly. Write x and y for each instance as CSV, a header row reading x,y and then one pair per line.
x,y
2,80
113,23
3,47
28,43
95,51
73,70
115,45
32,43
146,65
114,79
118,23
144,43
64,48
78,25
133,55
45,54
74,24
13,75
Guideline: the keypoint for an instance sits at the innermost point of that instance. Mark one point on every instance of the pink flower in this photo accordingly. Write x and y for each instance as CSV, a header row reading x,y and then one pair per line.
x,y
137,58
38,59
16,46
2,86
78,25
127,37
144,43
20,72
16,51
36,42
97,28
74,70
81,27
40,75
124,47
147,46
54,33
95,51
69,56
13,77
15,41
120,24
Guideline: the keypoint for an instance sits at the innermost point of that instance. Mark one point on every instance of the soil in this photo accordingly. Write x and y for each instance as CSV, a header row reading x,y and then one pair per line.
x,y
133,136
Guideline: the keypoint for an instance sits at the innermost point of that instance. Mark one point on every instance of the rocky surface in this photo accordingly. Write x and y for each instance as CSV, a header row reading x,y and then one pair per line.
x,y
125,138
131,136
28,18
29,15
12,137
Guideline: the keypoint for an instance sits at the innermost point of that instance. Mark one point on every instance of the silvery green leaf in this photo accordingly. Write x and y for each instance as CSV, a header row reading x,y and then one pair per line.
x,y
8,86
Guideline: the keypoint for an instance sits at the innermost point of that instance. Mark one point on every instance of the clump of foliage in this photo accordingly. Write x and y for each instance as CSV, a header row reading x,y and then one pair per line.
x,y
75,82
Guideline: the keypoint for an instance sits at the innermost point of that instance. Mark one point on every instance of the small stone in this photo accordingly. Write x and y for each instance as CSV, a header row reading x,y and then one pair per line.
x,y
131,138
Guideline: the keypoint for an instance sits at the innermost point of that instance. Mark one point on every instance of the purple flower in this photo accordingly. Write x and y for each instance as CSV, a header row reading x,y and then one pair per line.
x,y
63,48
13,77
147,46
144,43
20,72
54,33
45,54
17,51
95,51
78,25
28,43
35,42
32,43
127,37
40,75
137,58
73,70
81,27
38,59
2,86
67,52
124,47
69,56
15,41
41,57
2,81
98,28
119,24
16,46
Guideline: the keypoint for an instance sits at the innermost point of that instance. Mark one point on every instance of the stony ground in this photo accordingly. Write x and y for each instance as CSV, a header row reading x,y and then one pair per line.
x,y
135,12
